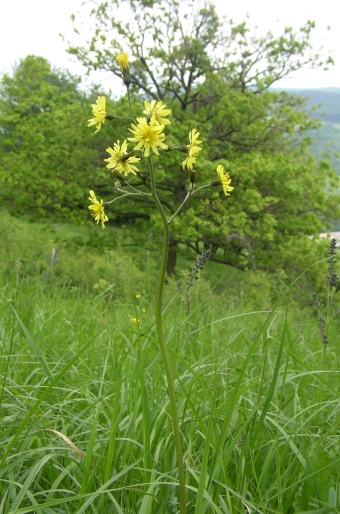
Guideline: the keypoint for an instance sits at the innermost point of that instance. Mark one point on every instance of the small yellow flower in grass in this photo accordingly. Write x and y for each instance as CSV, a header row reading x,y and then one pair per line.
x,y
120,160
148,135
224,179
143,310
99,113
97,209
192,149
138,296
135,320
157,110
123,61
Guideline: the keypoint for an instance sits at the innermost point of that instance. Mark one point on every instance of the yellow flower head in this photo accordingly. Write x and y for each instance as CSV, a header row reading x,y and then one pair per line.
x,y
148,135
192,149
157,110
138,296
97,209
123,61
135,320
224,179
120,160
99,113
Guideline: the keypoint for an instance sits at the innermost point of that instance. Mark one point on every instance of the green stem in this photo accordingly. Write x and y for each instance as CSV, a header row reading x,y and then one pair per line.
x,y
129,98
163,349
323,356
180,207
188,195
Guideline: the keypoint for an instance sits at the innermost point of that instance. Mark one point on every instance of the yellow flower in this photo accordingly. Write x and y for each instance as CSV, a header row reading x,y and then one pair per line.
x,y
224,179
135,320
158,111
148,135
121,160
97,209
192,149
99,113
138,296
123,61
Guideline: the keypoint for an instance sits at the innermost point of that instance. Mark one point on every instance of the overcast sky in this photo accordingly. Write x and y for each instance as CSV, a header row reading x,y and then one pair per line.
x,y
33,27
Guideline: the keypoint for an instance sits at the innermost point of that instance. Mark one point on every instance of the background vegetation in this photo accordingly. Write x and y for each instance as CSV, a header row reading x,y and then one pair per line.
x,y
259,408
84,421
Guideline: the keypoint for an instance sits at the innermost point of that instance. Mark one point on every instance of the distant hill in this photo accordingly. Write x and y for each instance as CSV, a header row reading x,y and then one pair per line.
x,y
327,138
329,98
327,143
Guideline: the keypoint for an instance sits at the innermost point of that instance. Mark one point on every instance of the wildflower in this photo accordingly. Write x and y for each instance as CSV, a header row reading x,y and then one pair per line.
x,y
148,135
332,278
123,61
97,209
135,320
192,149
224,179
120,160
138,296
157,110
194,275
99,113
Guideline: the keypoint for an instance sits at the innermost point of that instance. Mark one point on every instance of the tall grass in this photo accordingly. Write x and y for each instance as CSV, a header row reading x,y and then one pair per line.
x,y
85,412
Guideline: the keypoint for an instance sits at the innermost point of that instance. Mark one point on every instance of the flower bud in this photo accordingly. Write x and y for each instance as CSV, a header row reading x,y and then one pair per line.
x,y
192,177
123,61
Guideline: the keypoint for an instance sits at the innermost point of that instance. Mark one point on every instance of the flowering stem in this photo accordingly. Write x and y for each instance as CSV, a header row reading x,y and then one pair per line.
x,y
180,207
126,194
129,98
188,195
162,345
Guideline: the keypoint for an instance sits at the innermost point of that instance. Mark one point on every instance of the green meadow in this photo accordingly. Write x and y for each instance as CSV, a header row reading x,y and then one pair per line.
x,y
85,424
185,360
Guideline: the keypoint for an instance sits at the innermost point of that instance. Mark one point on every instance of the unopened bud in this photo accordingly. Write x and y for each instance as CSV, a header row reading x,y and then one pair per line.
x,y
117,184
123,61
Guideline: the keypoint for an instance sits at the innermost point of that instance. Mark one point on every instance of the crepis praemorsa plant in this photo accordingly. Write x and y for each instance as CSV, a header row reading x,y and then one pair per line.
x,y
149,138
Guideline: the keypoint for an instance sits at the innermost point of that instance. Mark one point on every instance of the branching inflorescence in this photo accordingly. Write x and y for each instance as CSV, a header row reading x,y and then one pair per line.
x,y
149,139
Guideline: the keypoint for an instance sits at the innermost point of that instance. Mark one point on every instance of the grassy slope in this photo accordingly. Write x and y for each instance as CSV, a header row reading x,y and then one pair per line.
x,y
259,410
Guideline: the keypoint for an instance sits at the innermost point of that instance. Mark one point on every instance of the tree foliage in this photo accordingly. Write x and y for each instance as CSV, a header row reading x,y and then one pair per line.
x,y
216,76
47,154
174,44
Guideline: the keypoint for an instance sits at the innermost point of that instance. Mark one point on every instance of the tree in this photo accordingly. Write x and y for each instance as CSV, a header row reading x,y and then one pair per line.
x,y
216,76
47,153
175,44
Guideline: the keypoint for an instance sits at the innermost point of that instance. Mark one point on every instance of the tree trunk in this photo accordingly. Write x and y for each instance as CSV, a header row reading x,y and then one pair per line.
x,y
172,258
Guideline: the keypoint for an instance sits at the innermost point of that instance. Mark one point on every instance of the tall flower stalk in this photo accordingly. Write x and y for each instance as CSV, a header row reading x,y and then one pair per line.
x,y
149,139
162,345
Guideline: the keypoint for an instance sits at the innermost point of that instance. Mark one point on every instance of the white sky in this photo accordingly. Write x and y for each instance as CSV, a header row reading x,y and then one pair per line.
x,y
33,27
